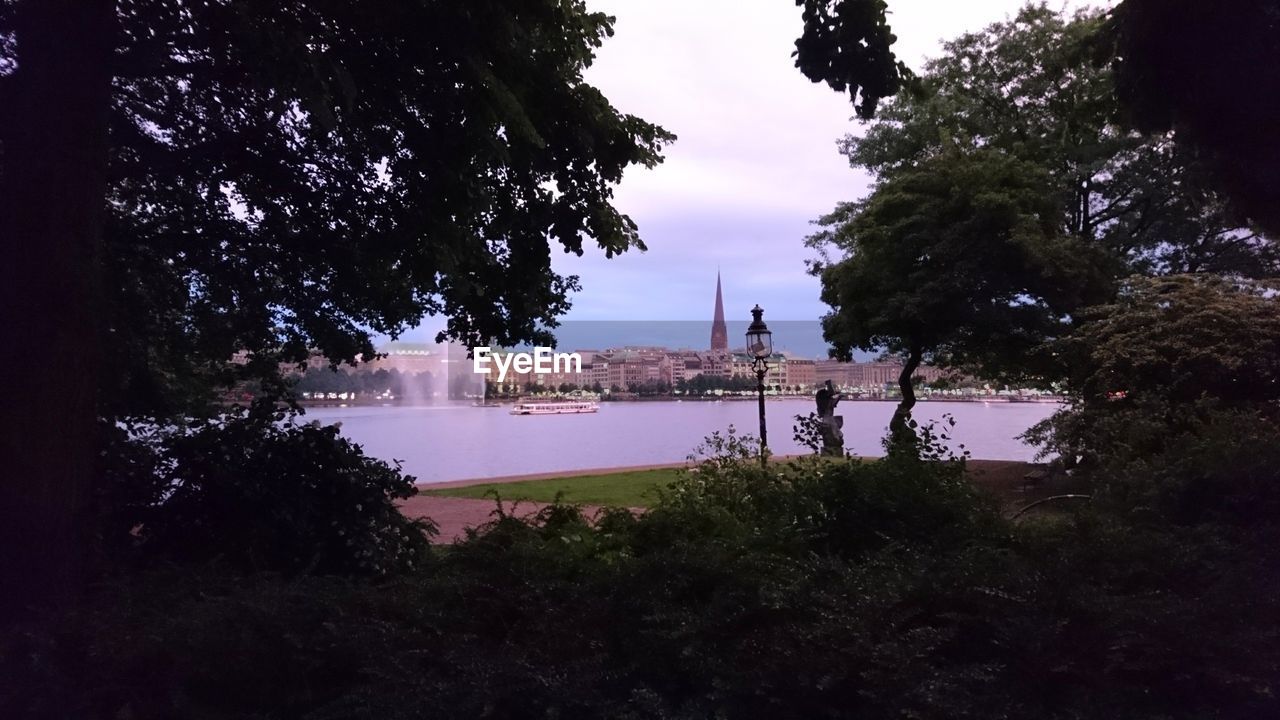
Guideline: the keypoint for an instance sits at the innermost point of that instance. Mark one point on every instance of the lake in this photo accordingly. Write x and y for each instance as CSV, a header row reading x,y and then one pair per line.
x,y
455,441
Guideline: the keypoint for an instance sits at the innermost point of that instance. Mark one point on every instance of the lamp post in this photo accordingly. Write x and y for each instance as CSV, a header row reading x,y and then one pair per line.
x,y
760,345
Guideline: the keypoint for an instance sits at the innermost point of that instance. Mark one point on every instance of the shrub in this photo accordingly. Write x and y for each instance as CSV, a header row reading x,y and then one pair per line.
x,y
828,588
807,432
1223,469
844,506
1175,404
259,491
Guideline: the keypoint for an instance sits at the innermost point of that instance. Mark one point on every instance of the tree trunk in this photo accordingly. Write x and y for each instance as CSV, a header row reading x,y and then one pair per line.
x,y
900,432
53,167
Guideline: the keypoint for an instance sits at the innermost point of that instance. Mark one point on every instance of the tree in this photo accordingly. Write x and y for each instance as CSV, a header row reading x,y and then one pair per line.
x,y
400,163
846,44
275,182
53,178
1029,87
1174,341
958,261
1174,394
1223,100
464,385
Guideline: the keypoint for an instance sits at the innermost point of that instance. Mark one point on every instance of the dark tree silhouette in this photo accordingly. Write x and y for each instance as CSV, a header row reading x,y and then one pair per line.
x,y
1028,86
846,44
275,182
53,179
1223,98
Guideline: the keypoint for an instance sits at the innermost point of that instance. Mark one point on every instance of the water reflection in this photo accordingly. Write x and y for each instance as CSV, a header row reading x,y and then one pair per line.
x,y
458,441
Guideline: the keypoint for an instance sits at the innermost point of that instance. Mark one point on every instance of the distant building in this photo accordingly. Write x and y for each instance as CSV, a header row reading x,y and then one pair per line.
x,y
410,358
719,331
801,372
871,377
834,370
874,375
716,363
682,365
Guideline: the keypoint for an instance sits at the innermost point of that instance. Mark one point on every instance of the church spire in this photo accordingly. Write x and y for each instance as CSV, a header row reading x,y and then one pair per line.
x,y
719,333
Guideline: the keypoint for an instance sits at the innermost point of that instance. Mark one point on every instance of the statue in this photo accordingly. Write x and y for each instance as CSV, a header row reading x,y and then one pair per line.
x,y
832,426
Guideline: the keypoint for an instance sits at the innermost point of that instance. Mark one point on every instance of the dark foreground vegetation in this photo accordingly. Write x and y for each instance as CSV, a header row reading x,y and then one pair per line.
x,y
849,589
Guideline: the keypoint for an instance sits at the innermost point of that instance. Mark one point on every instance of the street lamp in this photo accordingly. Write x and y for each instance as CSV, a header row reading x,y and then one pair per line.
x,y
760,345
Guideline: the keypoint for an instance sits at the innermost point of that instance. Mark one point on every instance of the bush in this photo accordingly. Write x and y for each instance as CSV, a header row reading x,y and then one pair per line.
x,y
258,491
1175,400
1223,469
833,588
841,506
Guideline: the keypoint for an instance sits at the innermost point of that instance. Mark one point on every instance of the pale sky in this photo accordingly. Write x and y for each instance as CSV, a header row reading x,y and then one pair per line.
x,y
756,157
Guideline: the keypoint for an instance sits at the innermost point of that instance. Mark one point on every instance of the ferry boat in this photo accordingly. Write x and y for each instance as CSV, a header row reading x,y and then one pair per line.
x,y
554,407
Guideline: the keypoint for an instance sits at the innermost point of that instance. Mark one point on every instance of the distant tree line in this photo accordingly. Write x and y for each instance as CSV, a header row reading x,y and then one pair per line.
x,y
508,390
649,388
702,384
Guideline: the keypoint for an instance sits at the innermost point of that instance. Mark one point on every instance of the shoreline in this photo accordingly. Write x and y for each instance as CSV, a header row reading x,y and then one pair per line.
x,y
674,398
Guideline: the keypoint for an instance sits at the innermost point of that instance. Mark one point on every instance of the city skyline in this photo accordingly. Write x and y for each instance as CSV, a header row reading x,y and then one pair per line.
x,y
669,338
802,338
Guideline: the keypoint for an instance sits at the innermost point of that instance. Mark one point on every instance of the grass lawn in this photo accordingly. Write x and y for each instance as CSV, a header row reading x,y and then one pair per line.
x,y
623,489
635,488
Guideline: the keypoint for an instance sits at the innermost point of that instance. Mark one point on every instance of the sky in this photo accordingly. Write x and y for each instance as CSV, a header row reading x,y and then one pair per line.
x,y
755,160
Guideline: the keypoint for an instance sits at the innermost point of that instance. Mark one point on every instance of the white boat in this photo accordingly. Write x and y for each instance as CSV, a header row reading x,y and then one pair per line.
x,y
554,407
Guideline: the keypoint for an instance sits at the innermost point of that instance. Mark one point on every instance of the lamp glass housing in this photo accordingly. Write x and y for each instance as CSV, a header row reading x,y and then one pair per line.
x,y
759,337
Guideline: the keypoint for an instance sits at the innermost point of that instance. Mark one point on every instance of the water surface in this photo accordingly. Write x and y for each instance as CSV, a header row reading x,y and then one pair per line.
x,y
455,442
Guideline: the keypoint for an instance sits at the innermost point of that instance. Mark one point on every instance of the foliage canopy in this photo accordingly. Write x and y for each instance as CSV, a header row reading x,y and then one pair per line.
x,y
299,177
183,182
848,45
257,492
1175,391
1029,86
958,261
973,289
1223,100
